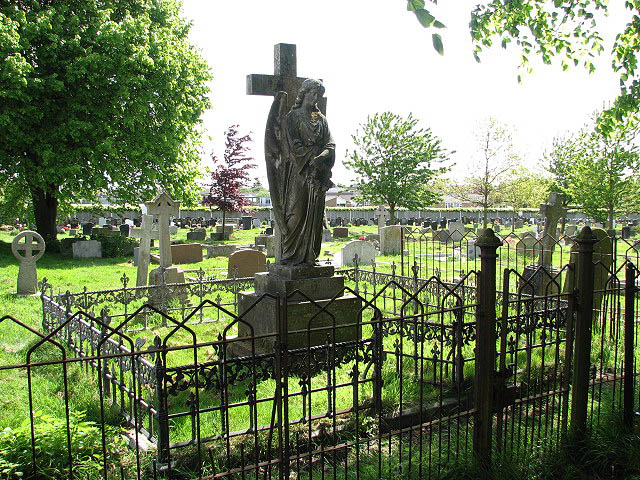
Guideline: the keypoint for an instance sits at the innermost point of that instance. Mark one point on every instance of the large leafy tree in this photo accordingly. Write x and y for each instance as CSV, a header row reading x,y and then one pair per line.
x,y
600,172
98,97
564,31
230,175
489,170
396,162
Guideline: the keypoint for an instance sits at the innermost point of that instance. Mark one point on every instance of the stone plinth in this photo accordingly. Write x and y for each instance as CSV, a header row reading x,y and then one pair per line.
x,y
319,284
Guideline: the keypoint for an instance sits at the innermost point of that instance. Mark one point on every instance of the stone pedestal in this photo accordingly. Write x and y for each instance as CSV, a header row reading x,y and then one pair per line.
x,y
318,285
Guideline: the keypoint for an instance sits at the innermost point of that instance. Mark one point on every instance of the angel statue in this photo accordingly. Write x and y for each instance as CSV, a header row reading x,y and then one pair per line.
x,y
299,153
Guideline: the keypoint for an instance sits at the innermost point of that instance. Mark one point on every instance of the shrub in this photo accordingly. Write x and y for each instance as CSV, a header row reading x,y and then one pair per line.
x,y
115,246
52,456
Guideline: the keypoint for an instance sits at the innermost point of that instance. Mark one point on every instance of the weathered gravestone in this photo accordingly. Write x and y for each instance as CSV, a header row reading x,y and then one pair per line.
x,y
86,228
197,235
472,250
365,251
186,253
145,234
246,263
391,240
268,242
381,214
603,260
164,207
27,253
341,232
222,250
456,231
87,249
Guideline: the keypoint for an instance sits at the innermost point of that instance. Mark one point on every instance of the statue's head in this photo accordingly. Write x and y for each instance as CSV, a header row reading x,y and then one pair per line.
x,y
307,86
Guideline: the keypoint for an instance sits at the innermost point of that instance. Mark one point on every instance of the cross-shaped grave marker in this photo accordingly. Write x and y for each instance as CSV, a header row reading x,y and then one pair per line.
x,y
553,211
284,77
381,215
164,206
27,273
145,234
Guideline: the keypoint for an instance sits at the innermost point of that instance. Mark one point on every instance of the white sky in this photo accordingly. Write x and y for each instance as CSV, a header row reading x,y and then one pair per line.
x,y
374,56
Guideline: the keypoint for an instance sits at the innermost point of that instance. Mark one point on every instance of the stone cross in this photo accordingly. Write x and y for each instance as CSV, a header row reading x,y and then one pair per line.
x,y
284,77
553,211
381,214
144,233
164,206
27,273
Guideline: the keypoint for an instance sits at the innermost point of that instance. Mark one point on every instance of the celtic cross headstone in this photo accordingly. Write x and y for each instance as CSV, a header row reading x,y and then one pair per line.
x,y
28,253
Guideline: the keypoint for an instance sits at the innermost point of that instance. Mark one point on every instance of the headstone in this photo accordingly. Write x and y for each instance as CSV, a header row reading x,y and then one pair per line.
x,y
164,207
27,253
86,228
365,251
571,230
472,251
228,228
246,263
186,253
626,233
145,234
221,250
553,211
124,229
528,245
173,230
326,235
268,231
87,249
197,235
456,231
247,223
268,242
391,240
603,260
102,221
441,236
340,232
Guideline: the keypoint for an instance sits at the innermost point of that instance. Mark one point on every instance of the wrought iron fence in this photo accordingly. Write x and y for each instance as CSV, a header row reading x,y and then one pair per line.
x,y
424,372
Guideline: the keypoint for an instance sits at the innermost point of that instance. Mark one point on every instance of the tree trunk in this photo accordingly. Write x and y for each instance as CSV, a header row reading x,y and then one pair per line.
x,y
484,216
392,215
45,208
224,231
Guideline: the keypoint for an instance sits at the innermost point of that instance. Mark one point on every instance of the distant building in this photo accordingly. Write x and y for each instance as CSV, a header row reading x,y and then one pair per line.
x,y
451,201
339,197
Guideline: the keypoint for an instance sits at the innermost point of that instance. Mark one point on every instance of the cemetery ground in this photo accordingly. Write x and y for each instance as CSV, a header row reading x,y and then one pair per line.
x,y
101,274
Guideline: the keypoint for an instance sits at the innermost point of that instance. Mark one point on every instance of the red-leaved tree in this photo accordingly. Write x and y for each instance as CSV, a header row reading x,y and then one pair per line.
x,y
231,174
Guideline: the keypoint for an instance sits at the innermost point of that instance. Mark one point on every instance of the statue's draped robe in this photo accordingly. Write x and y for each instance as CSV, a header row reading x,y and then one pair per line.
x,y
306,183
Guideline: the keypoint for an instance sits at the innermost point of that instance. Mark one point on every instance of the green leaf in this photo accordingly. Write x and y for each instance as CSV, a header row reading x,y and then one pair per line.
x,y
425,18
437,43
414,5
439,24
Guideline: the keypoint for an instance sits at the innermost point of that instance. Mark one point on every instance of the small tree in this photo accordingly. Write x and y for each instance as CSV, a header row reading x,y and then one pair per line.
x,y
497,158
525,189
230,175
599,171
396,162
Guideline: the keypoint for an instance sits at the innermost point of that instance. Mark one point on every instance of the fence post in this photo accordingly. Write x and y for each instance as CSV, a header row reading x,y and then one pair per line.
x,y
485,346
629,320
582,339
161,394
